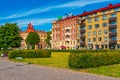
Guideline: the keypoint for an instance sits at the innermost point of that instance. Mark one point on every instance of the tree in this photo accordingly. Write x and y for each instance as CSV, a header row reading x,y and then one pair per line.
x,y
9,36
48,39
32,39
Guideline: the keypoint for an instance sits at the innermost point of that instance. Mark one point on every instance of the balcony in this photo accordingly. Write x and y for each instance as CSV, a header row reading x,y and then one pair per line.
x,y
112,33
82,36
67,27
111,26
82,30
67,33
112,19
113,42
67,39
82,42
82,24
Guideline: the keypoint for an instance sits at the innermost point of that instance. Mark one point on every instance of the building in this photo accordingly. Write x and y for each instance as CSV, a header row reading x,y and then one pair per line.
x,y
43,35
100,29
64,33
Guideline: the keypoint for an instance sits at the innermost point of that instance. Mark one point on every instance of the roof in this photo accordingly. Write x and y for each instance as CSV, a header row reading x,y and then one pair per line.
x,y
110,6
65,19
30,28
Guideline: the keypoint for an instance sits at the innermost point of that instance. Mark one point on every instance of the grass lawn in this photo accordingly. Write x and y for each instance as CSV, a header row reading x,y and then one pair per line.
x,y
112,70
57,59
60,60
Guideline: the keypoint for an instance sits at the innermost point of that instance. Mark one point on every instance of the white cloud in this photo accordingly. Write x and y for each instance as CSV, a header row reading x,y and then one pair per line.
x,y
78,3
25,22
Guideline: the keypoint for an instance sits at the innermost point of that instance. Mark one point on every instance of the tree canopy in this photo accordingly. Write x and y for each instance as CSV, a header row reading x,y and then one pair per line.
x,y
9,36
32,39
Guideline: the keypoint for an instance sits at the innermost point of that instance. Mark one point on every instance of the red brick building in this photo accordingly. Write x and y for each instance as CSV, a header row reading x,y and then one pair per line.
x,y
64,33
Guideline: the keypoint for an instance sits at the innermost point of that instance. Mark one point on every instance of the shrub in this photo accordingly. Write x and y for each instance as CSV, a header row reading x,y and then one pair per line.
x,y
60,50
94,58
29,53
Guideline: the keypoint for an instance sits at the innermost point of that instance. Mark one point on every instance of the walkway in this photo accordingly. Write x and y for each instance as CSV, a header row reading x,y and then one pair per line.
x,y
19,71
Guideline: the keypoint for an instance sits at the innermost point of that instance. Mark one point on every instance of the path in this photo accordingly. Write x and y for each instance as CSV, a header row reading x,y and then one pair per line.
x,y
19,71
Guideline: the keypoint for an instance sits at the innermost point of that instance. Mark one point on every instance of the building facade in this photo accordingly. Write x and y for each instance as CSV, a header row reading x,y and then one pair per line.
x,y
42,34
64,33
97,29
100,29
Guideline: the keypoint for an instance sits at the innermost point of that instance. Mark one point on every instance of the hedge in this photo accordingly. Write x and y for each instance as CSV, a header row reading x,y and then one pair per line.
x,y
89,59
29,53
60,50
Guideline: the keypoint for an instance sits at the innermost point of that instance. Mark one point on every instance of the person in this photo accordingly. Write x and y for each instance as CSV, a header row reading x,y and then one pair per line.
x,y
4,54
1,55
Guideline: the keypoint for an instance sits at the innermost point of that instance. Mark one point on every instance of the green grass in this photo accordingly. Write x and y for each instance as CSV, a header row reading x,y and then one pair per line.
x,y
60,60
57,59
112,70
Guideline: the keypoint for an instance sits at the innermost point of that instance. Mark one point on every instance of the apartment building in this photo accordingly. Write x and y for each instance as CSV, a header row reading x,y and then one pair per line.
x,y
64,33
100,29
42,34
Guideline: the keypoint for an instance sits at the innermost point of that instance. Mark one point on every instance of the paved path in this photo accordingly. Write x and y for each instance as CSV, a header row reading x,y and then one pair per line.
x,y
19,71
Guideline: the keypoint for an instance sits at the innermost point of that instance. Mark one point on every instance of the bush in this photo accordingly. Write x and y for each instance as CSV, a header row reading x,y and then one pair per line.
x,y
89,59
60,50
29,53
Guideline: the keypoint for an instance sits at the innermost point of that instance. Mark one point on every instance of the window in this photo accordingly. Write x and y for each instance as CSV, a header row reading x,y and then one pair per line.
x,y
78,34
113,31
67,30
88,33
96,25
105,38
113,38
105,31
89,20
67,36
87,16
116,9
113,23
104,17
83,27
103,12
99,39
94,39
90,27
104,24
95,14
78,28
96,19
88,39
94,32
113,15
99,32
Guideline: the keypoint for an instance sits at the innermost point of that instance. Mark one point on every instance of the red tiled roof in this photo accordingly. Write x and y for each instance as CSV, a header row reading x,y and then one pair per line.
x,y
110,6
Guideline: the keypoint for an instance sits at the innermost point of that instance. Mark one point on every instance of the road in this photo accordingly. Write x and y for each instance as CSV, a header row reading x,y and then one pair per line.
x,y
19,71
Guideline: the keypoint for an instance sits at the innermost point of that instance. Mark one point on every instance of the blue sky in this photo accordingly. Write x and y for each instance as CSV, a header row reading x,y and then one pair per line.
x,y
42,12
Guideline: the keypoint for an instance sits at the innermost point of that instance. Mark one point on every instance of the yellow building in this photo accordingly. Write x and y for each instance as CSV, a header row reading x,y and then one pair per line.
x,y
100,29
42,34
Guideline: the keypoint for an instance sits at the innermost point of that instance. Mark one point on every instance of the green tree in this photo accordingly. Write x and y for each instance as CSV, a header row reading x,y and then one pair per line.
x,y
48,39
32,39
9,36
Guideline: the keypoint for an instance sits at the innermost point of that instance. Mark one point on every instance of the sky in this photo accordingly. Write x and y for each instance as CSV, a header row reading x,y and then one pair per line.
x,y
42,12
